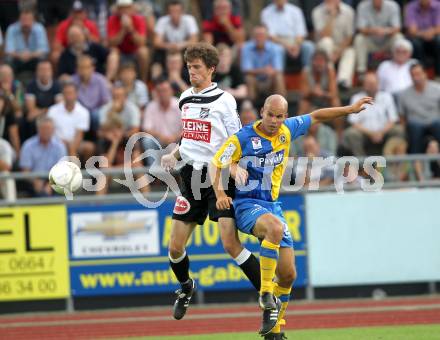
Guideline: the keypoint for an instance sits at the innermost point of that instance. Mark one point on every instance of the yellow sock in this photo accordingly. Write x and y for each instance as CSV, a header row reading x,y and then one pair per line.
x,y
284,295
268,264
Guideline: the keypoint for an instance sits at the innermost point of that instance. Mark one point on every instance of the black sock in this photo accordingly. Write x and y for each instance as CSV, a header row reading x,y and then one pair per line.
x,y
251,268
181,269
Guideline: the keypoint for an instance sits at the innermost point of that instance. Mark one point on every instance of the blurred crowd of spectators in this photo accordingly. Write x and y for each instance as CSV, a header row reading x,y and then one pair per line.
x,y
80,77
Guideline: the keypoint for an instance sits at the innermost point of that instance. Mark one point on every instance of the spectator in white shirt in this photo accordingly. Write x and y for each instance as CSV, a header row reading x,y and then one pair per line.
x,y
121,107
286,26
119,120
394,75
174,32
372,127
71,119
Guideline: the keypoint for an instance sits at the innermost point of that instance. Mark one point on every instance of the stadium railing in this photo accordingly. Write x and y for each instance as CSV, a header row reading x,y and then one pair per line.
x,y
117,172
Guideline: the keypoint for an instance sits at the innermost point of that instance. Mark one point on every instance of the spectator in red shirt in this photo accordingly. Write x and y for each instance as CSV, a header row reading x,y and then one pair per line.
x,y
127,33
78,16
224,27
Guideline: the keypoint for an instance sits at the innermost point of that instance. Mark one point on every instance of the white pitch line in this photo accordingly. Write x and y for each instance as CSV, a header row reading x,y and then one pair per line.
x,y
121,319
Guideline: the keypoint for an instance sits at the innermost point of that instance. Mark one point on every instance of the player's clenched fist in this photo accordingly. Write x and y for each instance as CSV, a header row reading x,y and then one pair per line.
x,y
168,162
223,203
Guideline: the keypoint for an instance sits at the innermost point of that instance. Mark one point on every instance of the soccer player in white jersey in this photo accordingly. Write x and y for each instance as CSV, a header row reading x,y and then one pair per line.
x,y
209,117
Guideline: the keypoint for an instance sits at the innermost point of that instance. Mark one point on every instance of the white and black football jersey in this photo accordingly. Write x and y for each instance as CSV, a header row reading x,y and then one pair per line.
x,y
209,117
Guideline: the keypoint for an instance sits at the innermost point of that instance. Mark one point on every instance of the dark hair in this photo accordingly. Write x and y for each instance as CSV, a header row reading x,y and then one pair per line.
x,y
221,47
27,10
44,60
260,25
172,53
68,83
128,65
414,65
320,53
203,51
160,80
173,3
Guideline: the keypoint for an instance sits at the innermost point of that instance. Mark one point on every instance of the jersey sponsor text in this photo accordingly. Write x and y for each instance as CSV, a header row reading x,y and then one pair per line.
x,y
196,130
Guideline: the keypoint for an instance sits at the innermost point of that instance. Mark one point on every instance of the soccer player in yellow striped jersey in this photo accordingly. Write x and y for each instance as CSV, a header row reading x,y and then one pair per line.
x,y
261,151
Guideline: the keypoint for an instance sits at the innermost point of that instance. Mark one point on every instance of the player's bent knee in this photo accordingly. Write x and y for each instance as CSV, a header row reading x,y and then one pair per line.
x,y
232,247
230,244
229,249
175,250
229,237
287,278
275,229
269,225
175,254
292,275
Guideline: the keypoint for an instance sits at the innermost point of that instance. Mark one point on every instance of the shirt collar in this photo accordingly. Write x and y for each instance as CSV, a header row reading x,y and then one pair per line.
x,y
282,9
255,45
44,87
74,107
51,141
21,31
92,79
209,88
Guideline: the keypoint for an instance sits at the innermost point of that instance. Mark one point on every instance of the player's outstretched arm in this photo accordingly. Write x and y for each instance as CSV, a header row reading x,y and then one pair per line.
x,y
323,115
224,202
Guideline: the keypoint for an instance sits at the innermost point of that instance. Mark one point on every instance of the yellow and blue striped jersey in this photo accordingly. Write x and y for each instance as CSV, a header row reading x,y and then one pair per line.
x,y
263,156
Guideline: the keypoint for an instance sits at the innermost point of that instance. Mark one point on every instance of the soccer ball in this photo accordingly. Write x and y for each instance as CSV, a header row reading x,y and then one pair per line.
x,y
65,177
